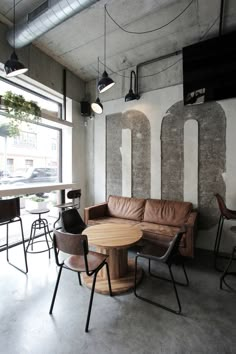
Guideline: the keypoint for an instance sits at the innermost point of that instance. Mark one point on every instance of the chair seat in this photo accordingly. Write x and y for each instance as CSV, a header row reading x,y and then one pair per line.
x,y
67,205
153,248
77,262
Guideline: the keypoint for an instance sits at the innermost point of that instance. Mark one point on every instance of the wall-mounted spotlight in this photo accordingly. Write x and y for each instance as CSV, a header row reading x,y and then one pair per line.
x,y
132,95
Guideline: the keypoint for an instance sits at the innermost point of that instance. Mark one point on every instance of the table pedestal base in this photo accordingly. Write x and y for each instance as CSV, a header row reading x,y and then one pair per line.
x,y
119,285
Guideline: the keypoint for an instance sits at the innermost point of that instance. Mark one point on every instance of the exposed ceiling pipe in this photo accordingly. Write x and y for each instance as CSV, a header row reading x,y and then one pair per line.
x,y
48,15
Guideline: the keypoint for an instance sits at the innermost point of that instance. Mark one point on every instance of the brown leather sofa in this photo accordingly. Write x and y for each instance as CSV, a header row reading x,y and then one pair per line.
x,y
158,219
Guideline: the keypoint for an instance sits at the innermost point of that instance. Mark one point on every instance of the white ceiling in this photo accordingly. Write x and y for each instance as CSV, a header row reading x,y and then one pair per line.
x,y
77,42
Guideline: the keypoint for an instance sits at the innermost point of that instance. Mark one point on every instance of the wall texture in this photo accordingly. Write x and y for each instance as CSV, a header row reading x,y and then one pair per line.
x,y
169,169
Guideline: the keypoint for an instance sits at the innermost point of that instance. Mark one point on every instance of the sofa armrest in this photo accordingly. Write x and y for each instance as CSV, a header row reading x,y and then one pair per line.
x,y
95,211
191,234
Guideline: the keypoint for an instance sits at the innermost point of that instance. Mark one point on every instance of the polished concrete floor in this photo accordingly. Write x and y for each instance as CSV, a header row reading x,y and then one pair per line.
x,y
121,324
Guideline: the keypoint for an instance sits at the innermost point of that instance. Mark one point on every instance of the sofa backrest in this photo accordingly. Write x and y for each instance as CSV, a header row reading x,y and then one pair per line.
x,y
126,208
167,212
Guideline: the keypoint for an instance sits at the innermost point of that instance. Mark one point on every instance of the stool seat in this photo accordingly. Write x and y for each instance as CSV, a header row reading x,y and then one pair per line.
x,y
38,211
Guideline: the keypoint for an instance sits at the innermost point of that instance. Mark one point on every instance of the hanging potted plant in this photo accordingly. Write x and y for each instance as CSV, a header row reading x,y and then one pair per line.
x,y
20,109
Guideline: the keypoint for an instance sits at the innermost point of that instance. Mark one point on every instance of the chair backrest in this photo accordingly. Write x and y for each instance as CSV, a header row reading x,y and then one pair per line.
x,y
9,209
173,248
70,243
72,221
73,194
221,204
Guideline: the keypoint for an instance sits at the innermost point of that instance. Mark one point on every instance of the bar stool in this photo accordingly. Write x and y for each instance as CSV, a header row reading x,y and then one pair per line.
x,y
225,214
10,213
228,272
39,224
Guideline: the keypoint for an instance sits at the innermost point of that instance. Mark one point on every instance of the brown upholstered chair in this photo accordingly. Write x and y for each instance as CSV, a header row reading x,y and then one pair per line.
x,y
80,260
225,214
168,257
10,213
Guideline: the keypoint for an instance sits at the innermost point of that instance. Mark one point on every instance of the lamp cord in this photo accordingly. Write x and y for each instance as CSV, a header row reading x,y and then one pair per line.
x,y
152,30
14,23
170,66
105,30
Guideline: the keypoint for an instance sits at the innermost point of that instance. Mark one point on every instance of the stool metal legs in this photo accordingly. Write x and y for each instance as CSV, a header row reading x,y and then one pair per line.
x,y
226,272
39,224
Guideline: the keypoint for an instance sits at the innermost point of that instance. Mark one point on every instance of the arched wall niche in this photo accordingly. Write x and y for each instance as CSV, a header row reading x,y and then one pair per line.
x,y
211,156
138,148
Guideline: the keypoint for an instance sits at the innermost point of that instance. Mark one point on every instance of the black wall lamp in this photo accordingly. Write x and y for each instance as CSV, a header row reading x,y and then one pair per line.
x,y
105,83
96,106
13,66
132,95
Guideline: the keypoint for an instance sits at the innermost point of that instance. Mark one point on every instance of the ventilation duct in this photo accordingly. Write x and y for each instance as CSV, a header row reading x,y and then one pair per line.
x,y
48,15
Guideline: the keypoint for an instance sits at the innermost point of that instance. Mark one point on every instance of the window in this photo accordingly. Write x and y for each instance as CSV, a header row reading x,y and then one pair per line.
x,y
10,165
28,163
48,106
32,145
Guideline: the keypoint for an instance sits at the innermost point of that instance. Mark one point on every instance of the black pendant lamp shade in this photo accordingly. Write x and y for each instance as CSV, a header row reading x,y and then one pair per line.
x,y
97,107
14,67
131,95
105,83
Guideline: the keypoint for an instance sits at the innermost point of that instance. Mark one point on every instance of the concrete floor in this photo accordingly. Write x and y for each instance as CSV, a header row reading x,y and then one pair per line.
x,y
122,324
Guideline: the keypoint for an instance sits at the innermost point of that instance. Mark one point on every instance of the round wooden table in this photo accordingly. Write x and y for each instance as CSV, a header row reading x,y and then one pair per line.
x,y
114,240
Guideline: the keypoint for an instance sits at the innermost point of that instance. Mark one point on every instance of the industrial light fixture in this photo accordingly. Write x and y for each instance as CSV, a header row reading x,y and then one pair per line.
x,y
13,66
96,106
105,82
132,95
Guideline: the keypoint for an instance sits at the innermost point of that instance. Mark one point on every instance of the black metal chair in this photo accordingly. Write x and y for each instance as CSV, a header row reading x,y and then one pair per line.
x,y
225,214
10,213
227,272
72,221
170,256
80,260
74,195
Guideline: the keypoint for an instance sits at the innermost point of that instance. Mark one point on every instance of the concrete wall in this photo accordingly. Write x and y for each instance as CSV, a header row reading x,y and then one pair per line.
x,y
158,97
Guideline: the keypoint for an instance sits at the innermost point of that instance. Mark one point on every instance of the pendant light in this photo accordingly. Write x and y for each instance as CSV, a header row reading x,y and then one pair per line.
x,y
106,82
132,95
13,66
96,106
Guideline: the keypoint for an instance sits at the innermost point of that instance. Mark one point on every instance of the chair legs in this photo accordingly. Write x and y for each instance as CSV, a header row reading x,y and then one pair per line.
x,y
172,280
91,295
23,245
218,241
55,290
226,272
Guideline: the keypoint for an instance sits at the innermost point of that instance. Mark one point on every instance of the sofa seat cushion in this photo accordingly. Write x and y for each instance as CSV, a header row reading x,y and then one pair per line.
x,y
110,220
167,212
161,233
126,208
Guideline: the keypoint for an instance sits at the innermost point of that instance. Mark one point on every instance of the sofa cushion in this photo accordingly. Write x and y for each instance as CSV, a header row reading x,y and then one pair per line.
x,y
163,234
111,220
167,212
126,208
